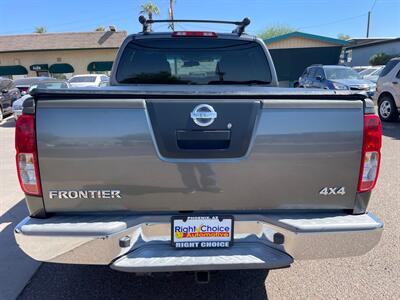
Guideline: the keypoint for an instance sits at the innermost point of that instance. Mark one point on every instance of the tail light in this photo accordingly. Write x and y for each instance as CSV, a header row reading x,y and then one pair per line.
x,y
371,153
194,34
27,163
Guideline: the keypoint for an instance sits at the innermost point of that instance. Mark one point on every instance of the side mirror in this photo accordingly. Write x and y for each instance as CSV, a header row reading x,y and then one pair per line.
x,y
319,77
4,91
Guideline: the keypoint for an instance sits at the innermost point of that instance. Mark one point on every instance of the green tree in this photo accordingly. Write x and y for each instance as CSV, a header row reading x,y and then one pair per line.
x,y
380,59
149,8
342,36
40,29
100,28
274,31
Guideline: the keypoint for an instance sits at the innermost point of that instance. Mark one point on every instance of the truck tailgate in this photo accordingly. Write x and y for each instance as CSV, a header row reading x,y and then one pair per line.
x,y
149,155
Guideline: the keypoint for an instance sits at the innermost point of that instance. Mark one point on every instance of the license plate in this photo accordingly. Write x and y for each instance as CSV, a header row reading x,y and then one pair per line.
x,y
202,231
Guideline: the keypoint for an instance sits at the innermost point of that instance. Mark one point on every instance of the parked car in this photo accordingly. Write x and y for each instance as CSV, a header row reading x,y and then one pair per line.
x,y
8,94
24,84
360,68
206,165
89,80
372,73
387,94
334,77
47,84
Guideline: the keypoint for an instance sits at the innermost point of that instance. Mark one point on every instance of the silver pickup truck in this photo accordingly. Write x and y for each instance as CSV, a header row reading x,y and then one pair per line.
x,y
194,160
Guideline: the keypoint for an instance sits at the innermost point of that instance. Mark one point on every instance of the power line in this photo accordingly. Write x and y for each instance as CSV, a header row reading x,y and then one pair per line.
x,y
373,5
335,22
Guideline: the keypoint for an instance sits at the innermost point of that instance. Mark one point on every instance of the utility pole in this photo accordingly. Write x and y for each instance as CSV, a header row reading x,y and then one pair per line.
x,y
369,20
171,14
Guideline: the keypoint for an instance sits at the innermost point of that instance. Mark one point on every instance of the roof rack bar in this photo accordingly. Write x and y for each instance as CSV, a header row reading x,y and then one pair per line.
x,y
241,25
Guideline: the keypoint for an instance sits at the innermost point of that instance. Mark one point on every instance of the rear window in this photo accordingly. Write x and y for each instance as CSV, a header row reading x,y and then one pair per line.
x,y
193,61
4,83
52,85
389,67
333,73
83,79
311,72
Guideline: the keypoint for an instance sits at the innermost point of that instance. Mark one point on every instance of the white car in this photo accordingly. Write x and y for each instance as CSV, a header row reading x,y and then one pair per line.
x,y
372,73
360,68
89,80
47,84
387,94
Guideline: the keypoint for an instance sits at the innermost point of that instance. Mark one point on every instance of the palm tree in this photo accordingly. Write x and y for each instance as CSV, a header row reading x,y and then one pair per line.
x,y
171,14
100,28
149,8
40,29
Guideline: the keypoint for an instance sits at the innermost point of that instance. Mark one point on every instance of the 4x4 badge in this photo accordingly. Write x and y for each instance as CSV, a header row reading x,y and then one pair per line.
x,y
326,191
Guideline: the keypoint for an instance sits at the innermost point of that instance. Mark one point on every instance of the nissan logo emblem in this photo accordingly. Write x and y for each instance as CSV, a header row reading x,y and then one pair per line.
x,y
203,115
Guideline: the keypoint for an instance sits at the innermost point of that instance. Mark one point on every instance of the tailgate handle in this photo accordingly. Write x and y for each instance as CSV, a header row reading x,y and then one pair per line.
x,y
203,139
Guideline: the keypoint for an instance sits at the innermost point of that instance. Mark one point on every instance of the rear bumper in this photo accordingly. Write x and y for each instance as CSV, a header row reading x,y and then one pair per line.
x,y
92,239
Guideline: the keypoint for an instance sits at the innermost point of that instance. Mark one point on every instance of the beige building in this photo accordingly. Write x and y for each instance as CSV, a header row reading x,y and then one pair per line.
x,y
58,55
295,51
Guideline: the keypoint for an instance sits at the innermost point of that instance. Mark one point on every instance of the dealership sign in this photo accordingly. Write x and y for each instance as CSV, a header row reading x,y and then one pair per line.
x,y
40,67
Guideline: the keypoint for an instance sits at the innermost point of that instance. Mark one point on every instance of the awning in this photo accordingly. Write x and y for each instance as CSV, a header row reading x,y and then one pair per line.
x,y
99,66
13,70
39,67
61,68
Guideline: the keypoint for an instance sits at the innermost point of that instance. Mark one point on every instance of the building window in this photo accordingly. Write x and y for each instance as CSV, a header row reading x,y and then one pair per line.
x,y
349,56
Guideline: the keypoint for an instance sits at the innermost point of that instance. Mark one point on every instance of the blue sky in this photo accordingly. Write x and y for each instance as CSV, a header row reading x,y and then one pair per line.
x,y
324,17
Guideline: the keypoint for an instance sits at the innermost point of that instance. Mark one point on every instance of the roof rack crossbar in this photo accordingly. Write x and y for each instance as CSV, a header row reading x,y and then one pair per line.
x,y
240,25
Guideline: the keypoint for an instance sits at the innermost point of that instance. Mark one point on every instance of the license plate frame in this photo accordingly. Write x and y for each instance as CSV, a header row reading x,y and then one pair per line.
x,y
212,240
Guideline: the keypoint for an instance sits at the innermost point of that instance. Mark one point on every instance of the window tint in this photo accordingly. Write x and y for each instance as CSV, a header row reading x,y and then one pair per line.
x,y
311,73
319,72
2,83
52,85
389,67
5,84
367,72
193,61
333,73
398,74
83,79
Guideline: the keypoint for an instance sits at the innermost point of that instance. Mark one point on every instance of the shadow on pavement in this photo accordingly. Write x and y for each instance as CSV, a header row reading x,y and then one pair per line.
x,y
56,281
16,268
391,129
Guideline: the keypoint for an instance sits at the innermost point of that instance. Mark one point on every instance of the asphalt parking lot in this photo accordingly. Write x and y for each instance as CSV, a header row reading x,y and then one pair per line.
x,y
375,275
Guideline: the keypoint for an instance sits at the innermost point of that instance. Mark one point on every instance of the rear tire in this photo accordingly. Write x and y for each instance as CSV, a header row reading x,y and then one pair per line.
x,y
387,109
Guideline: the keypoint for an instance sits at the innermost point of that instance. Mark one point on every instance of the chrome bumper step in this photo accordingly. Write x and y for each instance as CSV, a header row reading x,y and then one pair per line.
x,y
162,258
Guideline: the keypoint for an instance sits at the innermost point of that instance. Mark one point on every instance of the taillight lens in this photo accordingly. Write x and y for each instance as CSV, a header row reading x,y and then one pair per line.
x,y
194,34
371,153
27,164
